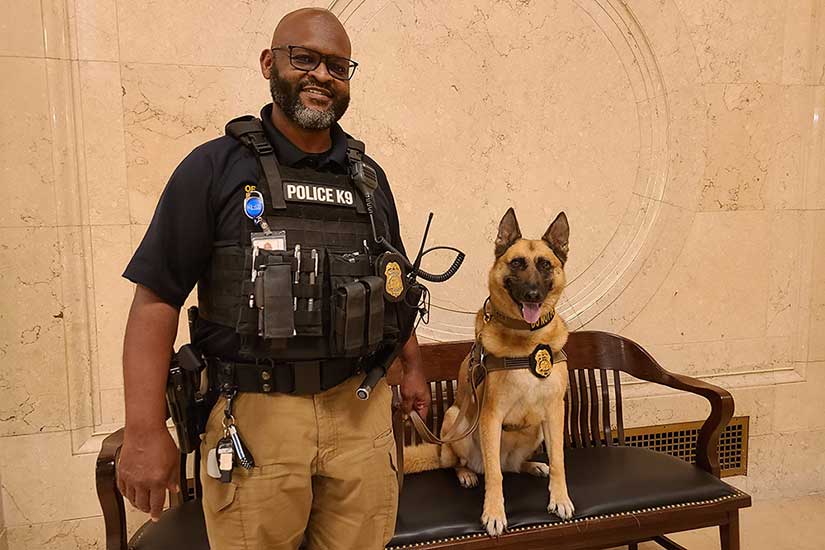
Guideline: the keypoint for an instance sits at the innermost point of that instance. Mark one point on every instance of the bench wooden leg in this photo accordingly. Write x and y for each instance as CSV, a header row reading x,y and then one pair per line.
x,y
729,533
633,546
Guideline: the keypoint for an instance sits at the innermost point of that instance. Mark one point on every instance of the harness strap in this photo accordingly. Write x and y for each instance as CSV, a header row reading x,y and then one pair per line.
x,y
250,131
494,363
480,365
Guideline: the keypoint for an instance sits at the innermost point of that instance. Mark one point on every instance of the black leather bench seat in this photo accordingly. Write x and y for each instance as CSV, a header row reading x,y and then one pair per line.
x,y
601,480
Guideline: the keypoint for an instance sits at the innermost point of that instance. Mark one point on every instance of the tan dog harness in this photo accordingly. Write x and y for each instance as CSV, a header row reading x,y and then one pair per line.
x,y
540,363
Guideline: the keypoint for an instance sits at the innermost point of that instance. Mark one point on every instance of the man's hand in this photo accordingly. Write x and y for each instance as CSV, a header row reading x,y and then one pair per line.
x,y
148,466
149,457
415,391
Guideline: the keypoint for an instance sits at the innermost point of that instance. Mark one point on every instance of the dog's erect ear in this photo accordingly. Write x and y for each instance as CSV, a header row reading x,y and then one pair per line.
x,y
508,232
557,236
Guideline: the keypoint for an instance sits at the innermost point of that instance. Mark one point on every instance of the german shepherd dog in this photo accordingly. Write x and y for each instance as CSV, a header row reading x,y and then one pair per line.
x,y
520,408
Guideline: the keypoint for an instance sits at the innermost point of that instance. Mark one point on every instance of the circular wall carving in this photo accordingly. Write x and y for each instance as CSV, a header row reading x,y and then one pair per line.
x,y
473,107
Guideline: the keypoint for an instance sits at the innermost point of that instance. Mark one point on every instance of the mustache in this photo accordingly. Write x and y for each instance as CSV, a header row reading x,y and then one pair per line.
x,y
309,81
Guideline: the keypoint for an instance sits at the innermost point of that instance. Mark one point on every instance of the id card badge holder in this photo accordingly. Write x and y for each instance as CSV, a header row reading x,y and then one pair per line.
x,y
272,240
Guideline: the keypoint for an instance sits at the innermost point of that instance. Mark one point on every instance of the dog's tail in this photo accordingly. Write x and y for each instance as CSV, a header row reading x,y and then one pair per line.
x,y
427,456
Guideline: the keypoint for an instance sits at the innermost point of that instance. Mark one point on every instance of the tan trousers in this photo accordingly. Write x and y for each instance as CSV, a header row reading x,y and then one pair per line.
x,y
325,468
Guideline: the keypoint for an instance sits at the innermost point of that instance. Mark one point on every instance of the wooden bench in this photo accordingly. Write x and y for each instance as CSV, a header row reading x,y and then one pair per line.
x,y
623,495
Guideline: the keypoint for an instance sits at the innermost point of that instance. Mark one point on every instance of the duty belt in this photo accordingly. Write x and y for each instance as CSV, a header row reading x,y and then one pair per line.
x,y
298,378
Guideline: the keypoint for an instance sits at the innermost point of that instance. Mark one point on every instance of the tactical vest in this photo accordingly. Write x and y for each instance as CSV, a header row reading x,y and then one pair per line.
x,y
321,297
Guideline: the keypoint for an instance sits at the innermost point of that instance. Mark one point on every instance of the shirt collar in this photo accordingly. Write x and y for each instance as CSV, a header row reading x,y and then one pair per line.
x,y
334,159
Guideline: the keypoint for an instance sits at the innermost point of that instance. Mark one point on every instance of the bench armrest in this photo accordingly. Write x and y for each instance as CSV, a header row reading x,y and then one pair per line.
x,y
111,501
721,411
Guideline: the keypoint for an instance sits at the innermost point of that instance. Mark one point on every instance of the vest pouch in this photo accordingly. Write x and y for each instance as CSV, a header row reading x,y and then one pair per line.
x,y
348,311
374,331
274,300
349,318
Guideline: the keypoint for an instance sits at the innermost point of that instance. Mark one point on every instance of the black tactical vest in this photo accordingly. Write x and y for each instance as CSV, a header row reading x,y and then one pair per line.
x,y
322,297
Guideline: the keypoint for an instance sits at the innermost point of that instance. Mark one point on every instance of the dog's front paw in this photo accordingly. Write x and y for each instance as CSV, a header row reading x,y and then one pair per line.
x,y
494,519
562,506
466,477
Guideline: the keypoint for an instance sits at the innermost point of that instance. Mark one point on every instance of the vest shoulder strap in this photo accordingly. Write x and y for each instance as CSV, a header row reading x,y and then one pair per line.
x,y
249,130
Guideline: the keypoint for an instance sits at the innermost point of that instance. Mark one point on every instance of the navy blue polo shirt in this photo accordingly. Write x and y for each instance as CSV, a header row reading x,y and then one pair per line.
x,y
202,204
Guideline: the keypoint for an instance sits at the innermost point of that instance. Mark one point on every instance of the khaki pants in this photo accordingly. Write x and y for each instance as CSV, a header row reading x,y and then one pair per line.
x,y
325,468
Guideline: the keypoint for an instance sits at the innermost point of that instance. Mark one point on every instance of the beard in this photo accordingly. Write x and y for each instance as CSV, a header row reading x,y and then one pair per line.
x,y
286,95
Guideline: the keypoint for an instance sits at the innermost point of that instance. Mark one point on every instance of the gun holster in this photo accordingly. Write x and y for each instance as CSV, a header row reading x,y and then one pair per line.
x,y
187,405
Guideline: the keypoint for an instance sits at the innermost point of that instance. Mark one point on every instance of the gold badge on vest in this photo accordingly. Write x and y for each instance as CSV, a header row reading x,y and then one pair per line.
x,y
390,267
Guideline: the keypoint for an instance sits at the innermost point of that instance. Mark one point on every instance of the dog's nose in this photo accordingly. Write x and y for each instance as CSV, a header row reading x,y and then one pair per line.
x,y
532,296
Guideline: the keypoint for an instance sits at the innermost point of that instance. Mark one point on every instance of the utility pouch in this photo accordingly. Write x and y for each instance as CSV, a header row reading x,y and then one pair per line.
x,y
350,318
375,311
274,300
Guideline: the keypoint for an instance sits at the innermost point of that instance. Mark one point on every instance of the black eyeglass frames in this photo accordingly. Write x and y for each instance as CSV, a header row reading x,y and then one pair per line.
x,y
305,59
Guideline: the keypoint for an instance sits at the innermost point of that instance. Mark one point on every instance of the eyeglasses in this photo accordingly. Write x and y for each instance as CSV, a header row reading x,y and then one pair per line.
x,y
307,60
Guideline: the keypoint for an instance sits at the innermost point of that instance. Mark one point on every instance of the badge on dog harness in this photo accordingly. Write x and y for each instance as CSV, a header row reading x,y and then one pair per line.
x,y
541,361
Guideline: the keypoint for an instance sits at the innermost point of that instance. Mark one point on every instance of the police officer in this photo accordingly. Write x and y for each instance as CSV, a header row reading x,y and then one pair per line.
x,y
324,464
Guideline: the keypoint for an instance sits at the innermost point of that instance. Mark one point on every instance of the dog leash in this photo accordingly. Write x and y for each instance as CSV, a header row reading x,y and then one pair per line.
x,y
476,366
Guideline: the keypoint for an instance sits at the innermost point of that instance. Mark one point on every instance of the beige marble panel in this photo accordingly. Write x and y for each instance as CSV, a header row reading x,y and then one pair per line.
x,y
803,61
718,287
785,465
789,148
787,238
103,142
44,482
68,159
21,30
112,411
31,333
112,248
170,110
26,152
4,539
75,534
97,29
736,41
2,519
799,406
669,38
816,331
78,319
756,133
204,32
725,356
758,403
815,153
58,18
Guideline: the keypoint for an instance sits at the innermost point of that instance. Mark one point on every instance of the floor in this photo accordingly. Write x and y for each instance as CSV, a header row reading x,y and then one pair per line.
x,y
795,524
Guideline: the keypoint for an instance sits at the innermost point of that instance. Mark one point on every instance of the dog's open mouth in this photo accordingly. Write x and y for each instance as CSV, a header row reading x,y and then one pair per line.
x,y
530,311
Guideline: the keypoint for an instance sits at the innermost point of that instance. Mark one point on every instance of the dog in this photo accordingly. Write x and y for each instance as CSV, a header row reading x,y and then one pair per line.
x,y
521,407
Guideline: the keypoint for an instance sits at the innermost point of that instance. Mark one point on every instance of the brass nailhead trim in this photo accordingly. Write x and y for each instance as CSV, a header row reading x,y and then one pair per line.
x,y
568,522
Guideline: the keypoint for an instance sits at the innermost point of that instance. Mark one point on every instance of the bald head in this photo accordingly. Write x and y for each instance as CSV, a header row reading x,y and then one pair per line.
x,y
314,28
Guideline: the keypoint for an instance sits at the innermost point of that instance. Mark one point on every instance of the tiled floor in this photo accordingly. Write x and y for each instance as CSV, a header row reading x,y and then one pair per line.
x,y
797,524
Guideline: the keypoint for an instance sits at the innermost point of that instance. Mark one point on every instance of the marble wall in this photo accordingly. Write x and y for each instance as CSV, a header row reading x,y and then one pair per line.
x,y
683,138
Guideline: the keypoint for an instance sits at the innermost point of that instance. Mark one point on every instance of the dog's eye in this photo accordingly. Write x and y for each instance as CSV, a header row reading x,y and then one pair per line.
x,y
545,265
518,263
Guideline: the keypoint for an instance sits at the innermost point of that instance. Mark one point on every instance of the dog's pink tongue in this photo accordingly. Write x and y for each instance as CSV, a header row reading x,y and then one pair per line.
x,y
530,312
